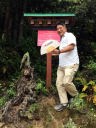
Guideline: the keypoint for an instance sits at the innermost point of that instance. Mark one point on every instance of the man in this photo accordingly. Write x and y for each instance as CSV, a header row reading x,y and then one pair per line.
x,y
68,66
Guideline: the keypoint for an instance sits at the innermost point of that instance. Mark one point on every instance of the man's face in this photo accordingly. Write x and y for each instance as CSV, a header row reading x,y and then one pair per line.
x,y
61,29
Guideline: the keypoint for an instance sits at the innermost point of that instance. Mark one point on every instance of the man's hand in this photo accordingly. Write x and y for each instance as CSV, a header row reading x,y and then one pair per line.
x,y
55,52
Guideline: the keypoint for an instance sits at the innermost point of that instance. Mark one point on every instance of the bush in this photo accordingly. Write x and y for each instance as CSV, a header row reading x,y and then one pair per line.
x,y
9,60
40,87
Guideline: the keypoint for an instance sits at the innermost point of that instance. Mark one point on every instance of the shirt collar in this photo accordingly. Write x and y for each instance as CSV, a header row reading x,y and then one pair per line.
x,y
64,34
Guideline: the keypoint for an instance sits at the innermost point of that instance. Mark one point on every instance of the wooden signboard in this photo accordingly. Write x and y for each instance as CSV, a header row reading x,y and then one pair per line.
x,y
44,35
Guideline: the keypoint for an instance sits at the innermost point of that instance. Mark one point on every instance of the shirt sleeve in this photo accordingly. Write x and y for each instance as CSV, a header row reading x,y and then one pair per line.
x,y
71,39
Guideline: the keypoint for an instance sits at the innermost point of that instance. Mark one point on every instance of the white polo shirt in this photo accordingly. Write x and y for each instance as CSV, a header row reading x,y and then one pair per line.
x,y
71,57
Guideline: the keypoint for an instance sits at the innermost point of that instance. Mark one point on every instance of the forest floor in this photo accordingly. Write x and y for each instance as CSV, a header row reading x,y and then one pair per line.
x,y
43,115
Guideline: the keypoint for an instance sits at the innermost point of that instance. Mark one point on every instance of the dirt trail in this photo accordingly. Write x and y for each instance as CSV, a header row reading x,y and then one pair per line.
x,y
46,117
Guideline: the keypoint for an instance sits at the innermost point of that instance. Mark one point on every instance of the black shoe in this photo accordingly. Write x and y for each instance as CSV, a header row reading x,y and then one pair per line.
x,y
60,107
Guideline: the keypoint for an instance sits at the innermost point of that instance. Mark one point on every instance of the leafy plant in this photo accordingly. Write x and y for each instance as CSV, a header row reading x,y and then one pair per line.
x,y
11,92
40,87
87,90
92,65
80,82
90,90
9,60
33,108
78,103
70,124
2,101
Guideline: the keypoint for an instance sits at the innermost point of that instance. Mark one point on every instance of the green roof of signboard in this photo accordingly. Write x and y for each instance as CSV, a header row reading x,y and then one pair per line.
x,y
49,14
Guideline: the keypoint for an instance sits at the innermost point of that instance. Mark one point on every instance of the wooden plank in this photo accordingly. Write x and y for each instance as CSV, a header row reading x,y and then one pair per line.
x,y
49,70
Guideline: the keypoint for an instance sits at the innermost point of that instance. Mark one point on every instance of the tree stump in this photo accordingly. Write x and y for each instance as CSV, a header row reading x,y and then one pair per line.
x,y
26,95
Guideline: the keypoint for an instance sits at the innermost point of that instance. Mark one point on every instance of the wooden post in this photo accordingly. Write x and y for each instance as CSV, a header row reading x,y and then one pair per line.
x,y
49,70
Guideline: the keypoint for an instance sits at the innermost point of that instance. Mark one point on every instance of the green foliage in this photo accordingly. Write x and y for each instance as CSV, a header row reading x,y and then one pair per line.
x,y
40,87
80,80
29,45
84,28
78,103
1,88
33,108
90,91
87,89
9,60
70,124
89,70
92,66
2,101
11,91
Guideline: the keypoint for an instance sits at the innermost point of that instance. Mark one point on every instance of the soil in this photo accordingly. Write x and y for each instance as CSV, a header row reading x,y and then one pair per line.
x,y
44,116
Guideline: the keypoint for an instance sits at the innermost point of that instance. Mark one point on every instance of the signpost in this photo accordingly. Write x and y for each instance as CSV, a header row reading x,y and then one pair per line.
x,y
44,35
45,24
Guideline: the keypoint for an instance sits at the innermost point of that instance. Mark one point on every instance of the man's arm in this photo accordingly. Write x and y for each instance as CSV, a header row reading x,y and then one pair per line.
x,y
65,49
